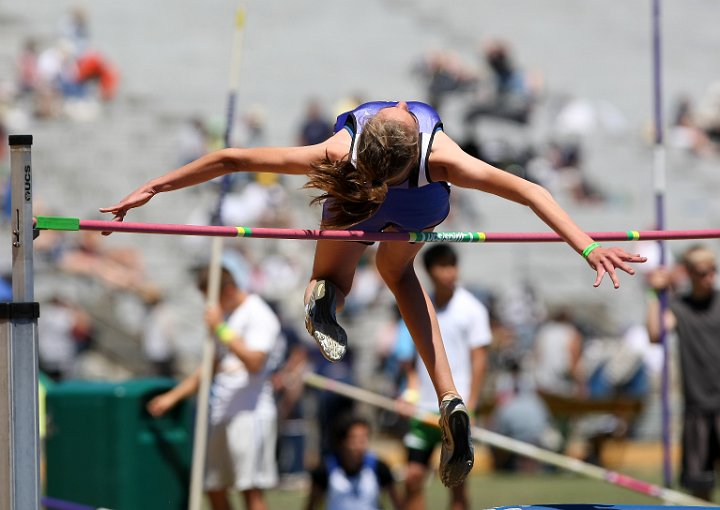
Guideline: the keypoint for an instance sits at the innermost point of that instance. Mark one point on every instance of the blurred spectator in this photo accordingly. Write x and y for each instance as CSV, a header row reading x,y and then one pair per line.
x,y
93,67
27,68
348,103
4,147
708,113
404,355
118,268
243,416
90,66
5,178
367,286
559,170
465,330
193,140
522,415
512,93
444,74
6,287
289,387
503,153
249,129
695,315
393,344
686,134
276,274
578,118
617,367
331,405
159,332
616,370
566,159
69,76
351,477
520,309
74,27
50,64
54,71
64,330
314,128
262,201
503,353
389,350
557,356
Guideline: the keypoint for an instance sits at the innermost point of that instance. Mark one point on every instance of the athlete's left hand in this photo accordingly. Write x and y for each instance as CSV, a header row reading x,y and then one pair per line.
x,y
606,260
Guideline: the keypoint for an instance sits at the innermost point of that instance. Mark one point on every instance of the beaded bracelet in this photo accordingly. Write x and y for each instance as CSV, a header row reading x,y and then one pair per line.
x,y
590,248
224,333
411,395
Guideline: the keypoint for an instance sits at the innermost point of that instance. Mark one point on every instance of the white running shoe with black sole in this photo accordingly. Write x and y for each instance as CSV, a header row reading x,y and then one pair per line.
x,y
320,321
457,454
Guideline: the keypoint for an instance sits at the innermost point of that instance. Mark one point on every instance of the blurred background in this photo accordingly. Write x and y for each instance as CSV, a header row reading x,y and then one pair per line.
x,y
559,93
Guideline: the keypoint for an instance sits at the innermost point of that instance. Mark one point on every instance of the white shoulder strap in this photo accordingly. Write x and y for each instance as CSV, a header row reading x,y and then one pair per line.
x,y
424,156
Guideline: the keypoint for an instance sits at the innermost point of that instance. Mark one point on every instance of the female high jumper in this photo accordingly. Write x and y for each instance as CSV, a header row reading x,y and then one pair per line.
x,y
389,166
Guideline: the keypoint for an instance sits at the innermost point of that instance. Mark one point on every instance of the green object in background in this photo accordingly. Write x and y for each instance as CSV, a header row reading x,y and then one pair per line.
x,y
44,384
104,449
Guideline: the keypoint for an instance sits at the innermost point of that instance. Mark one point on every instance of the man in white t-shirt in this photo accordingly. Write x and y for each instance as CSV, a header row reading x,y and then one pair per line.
x,y
243,417
465,329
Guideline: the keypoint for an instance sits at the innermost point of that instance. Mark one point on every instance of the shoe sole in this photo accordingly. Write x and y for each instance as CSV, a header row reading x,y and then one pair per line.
x,y
458,424
331,349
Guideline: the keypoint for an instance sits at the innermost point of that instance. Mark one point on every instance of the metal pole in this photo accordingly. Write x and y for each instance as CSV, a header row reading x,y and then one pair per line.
x,y
659,182
197,471
19,454
213,290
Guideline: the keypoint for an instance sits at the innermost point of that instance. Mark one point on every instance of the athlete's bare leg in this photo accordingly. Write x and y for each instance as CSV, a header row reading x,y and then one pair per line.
x,y
395,264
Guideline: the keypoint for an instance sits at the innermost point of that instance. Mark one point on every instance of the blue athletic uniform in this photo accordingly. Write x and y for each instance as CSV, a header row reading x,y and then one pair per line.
x,y
359,490
418,203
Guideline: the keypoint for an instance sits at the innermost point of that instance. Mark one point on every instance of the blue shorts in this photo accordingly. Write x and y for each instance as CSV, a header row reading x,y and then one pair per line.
x,y
408,209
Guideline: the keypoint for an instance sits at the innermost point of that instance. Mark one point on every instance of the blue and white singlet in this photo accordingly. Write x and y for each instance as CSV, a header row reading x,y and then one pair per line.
x,y
418,203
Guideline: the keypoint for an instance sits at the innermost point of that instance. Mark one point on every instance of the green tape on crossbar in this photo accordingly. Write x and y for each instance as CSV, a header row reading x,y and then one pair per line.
x,y
56,223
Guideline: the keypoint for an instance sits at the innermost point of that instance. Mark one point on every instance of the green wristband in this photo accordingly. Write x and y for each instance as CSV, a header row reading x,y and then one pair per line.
x,y
224,333
590,248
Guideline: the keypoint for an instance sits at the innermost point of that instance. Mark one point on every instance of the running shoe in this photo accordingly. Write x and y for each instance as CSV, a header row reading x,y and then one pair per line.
x,y
457,454
320,321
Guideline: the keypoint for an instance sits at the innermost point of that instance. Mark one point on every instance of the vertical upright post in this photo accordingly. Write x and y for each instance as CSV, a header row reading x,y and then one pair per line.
x,y
19,453
214,273
659,184
197,471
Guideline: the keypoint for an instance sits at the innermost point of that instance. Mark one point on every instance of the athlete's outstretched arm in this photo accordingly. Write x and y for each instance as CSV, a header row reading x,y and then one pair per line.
x,y
450,163
281,160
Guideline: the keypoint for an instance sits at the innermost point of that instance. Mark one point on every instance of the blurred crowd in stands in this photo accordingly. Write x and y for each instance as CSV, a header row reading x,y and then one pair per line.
x,y
66,77
102,304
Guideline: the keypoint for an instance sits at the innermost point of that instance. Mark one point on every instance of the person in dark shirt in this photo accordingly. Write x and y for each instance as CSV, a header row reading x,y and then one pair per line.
x,y
315,128
695,316
351,477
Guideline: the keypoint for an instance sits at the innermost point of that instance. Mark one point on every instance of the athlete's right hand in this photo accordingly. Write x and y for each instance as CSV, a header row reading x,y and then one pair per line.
x,y
139,197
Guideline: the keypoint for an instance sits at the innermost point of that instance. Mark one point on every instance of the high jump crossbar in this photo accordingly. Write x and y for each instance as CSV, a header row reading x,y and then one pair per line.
x,y
74,224
506,443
